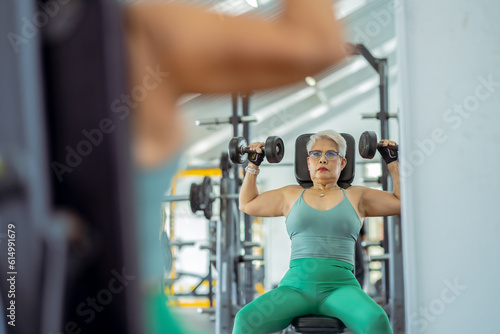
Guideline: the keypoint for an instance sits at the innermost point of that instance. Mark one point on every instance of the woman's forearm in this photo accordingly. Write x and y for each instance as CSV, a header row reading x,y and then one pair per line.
x,y
248,190
394,170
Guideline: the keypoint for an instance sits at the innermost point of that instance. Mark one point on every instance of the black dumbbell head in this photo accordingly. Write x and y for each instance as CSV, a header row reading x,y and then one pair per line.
x,y
368,144
235,150
274,149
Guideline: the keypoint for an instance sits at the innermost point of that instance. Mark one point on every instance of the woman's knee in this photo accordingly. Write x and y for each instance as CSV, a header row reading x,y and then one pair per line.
x,y
378,323
240,323
248,320
261,316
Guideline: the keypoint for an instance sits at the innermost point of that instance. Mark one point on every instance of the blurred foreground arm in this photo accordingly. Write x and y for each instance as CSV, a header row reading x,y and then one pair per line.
x,y
206,52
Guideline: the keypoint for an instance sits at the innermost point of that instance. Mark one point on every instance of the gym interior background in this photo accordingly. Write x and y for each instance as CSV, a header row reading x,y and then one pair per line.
x,y
443,95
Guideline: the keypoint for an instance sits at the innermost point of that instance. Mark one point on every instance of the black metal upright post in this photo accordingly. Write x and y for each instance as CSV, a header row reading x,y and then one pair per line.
x,y
383,116
224,315
392,260
235,221
380,66
248,293
226,235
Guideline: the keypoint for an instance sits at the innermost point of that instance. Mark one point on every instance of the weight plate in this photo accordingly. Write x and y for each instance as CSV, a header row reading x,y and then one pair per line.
x,y
208,211
205,192
368,144
223,203
274,149
193,199
236,145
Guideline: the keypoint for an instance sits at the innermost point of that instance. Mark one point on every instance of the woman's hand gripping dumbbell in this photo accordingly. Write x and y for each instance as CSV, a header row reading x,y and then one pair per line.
x,y
240,152
368,145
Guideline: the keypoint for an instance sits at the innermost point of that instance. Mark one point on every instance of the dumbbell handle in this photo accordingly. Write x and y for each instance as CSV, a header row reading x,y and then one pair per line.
x,y
395,147
248,150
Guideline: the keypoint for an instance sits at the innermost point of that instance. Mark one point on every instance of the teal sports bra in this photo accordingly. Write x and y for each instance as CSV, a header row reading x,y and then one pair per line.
x,y
330,233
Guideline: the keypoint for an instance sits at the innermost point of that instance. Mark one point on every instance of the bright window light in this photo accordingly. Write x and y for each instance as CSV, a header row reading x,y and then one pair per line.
x,y
373,170
311,81
252,3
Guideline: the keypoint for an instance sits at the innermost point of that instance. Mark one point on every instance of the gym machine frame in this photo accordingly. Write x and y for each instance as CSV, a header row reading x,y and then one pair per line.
x,y
231,293
230,235
201,198
392,259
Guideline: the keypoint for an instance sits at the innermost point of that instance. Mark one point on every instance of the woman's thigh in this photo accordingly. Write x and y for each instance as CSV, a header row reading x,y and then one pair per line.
x,y
358,311
273,311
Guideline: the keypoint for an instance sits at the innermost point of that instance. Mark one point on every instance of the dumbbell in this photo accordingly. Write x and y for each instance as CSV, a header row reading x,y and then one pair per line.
x,y
274,150
368,145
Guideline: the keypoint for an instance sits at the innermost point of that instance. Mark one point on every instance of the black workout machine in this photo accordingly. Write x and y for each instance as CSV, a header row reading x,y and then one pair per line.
x,y
65,176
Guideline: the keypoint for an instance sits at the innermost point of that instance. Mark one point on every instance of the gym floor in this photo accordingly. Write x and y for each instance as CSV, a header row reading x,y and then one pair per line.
x,y
199,323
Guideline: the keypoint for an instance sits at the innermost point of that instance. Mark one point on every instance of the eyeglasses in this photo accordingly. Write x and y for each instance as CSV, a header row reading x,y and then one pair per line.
x,y
329,155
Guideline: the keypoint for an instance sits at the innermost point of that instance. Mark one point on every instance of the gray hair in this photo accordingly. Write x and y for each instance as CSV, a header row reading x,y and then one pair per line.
x,y
328,134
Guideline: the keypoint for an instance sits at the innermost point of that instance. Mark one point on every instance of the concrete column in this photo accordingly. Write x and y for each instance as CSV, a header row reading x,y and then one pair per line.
x,y
449,57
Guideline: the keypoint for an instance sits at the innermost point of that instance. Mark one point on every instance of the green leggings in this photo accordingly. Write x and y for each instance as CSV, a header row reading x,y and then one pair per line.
x,y
314,286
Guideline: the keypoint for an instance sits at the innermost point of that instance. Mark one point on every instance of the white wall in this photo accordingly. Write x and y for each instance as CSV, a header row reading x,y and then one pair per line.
x,y
449,56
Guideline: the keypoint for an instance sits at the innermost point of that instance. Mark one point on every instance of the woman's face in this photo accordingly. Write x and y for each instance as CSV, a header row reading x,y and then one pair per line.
x,y
325,170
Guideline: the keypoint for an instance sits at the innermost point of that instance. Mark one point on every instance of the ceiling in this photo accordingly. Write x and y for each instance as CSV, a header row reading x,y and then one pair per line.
x,y
342,93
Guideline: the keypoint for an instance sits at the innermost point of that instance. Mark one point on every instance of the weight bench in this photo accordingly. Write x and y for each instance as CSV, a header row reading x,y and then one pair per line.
x,y
317,323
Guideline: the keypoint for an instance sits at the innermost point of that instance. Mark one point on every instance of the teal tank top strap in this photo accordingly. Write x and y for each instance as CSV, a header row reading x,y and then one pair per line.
x,y
300,199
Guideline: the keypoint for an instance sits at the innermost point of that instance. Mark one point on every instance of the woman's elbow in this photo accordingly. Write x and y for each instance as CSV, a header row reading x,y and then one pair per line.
x,y
243,207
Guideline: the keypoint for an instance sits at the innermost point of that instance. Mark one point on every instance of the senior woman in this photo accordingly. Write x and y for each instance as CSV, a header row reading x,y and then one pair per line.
x,y
323,223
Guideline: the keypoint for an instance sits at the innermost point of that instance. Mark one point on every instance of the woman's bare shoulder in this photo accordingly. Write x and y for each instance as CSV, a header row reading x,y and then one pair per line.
x,y
292,189
355,191
291,192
